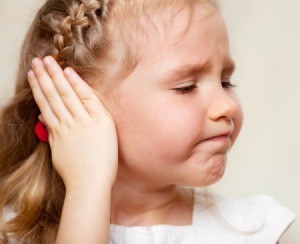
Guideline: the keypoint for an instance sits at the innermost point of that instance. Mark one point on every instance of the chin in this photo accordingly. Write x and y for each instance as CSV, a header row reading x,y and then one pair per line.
x,y
216,168
213,172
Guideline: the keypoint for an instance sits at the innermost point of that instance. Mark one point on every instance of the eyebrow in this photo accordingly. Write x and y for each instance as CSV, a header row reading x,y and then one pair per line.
x,y
189,69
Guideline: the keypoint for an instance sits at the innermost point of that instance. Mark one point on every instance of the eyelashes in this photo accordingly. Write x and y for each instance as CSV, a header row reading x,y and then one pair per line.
x,y
228,84
188,89
185,89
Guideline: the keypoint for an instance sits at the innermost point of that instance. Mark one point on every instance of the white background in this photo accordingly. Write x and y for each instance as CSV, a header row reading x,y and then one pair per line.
x,y
265,41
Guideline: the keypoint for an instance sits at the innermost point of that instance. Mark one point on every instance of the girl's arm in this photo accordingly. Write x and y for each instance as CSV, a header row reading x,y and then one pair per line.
x,y
86,216
84,150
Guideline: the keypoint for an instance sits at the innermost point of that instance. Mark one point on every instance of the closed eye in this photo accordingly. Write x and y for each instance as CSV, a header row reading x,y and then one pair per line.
x,y
228,84
185,89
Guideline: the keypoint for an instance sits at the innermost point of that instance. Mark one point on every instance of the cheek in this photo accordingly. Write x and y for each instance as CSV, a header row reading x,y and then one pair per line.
x,y
175,130
163,131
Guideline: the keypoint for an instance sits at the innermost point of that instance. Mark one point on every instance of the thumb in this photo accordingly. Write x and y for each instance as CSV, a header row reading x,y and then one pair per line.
x,y
40,117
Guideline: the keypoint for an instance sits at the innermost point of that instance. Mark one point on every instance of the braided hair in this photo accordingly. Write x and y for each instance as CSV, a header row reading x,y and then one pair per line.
x,y
75,28
73,32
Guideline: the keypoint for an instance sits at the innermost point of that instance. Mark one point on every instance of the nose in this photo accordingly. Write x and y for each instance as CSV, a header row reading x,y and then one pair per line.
x,y
223,106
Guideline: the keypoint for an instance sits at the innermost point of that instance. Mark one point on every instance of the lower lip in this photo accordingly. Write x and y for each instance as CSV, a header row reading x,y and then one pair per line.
x,y
219,138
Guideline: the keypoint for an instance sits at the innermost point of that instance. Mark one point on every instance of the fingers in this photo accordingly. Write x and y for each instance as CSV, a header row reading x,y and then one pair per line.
x,y
65,94
41,100
41,118
50,92
64,89
89,99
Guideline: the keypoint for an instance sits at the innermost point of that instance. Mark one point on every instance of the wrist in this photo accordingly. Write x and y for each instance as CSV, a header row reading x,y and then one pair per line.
x,y
87,187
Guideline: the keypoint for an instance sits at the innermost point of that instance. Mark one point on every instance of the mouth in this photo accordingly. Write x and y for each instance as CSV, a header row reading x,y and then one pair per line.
x,y
216,144
220,140
221,136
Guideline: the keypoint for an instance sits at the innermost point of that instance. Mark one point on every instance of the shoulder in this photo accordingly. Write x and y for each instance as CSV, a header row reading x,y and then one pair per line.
x,y
7,215
276,218
260,218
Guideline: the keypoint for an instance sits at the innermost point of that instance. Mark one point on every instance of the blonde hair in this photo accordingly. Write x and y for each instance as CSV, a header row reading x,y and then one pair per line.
x,y
86,35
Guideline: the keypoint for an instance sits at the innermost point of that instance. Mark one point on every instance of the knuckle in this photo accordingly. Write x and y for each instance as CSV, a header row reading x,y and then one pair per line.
x,y
52,96
68,122
48,90
65,97
54,129
85,100
40,73
76,84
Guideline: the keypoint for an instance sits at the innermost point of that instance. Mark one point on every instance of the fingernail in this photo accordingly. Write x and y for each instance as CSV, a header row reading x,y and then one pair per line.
x,y
68,71
40,117
35,62
30,73
47,60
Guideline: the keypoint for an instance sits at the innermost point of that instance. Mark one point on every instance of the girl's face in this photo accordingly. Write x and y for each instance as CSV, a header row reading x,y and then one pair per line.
x,y
175,100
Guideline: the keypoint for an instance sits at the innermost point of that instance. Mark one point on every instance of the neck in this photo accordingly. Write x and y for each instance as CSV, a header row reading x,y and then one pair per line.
x,y
138,204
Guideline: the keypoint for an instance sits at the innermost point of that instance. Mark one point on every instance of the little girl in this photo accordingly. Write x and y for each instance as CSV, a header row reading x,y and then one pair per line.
x,y
124,116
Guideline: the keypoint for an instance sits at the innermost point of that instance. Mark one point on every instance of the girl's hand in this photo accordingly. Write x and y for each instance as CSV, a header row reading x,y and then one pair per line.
x,y
82,134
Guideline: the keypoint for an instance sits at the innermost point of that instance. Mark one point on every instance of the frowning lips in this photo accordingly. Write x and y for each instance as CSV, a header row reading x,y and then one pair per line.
x,y
219,136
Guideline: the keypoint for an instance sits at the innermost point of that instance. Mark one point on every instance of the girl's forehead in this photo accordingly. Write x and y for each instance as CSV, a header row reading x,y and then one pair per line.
x,y
192,33
175,20
148,20
148,37
202,45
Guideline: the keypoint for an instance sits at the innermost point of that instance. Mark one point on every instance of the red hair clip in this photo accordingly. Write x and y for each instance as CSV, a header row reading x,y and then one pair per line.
x,y
41,131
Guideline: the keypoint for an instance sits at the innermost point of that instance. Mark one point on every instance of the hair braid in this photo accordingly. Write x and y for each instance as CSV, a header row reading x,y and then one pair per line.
x,y
74,28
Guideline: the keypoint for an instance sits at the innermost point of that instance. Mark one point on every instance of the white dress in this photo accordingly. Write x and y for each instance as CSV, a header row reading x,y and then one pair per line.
x,y
216,220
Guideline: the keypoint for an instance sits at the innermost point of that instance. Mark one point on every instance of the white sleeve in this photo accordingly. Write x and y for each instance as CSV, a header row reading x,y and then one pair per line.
x,y
9,214
277,219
